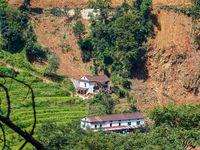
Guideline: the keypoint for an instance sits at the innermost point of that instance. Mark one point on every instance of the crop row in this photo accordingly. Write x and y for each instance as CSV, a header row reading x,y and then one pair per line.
x,y
27,80
35,86
47,110
38,93
43,101
29,122
45,115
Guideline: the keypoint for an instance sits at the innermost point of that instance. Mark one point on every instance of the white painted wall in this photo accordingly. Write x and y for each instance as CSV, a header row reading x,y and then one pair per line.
x,y
85,123
108,85
82,84
89,85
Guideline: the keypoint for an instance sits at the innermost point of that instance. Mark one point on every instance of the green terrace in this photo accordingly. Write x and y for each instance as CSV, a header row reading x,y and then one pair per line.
x,y
52,104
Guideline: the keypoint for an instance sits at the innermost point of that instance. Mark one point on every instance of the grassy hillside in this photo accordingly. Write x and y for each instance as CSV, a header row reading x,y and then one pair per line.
x,y
53,104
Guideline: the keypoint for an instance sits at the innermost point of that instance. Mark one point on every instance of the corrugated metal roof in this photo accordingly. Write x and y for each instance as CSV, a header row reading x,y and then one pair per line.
x,y
126,116
81,88
101,78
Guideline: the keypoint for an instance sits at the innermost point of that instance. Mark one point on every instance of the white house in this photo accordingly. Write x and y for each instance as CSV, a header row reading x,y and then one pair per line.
x,y
125,121
88,84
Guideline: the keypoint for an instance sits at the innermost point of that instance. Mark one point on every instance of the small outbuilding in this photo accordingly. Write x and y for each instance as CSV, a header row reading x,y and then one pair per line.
x,y
115,122
91,84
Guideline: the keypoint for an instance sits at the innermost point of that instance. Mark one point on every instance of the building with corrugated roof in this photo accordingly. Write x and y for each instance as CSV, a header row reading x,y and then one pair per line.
x,y
114,122
90,84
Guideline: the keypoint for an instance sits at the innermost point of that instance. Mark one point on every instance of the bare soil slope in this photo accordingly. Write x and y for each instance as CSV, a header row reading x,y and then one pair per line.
x,y
172,63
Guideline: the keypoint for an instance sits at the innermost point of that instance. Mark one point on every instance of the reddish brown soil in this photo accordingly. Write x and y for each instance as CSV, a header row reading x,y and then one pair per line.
x,y
49,34
171,64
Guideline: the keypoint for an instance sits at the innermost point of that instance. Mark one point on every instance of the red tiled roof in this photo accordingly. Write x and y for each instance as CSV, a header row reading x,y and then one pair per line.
x,y
126,116
101,78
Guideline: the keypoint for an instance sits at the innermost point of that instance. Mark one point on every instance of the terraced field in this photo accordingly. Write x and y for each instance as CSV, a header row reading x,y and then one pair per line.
x,y
53,104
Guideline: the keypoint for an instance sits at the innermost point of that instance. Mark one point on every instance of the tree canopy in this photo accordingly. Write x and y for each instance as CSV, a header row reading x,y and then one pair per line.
x,y
118,35
174,127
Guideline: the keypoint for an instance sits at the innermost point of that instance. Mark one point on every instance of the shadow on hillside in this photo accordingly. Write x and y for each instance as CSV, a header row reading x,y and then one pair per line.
x,y
37,10
155,22
141,73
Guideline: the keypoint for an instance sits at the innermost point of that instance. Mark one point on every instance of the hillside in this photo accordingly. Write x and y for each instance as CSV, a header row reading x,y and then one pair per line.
x,y
171,68
53,104
172,62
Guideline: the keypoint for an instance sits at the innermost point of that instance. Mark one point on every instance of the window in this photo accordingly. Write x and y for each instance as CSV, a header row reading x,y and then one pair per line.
x,y
138,122
95,126
129,123
85,84
119,124
100,126
110,124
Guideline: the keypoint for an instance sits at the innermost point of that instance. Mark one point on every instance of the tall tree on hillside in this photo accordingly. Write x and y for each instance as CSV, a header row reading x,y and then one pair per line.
x,y
12,27
79,30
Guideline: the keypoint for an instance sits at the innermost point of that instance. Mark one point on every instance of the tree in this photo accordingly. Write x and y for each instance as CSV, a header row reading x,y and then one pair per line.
x,y
118,37
104,6
52,66
79,30
12,27
179,124
7,121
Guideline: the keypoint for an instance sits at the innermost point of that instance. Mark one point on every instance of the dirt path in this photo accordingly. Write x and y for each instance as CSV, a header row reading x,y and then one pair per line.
x,y
45,80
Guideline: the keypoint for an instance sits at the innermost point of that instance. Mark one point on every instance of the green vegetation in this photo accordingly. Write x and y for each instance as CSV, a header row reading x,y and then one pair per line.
x,y
53,104
117,40
79,31
102,104
174,127
67,83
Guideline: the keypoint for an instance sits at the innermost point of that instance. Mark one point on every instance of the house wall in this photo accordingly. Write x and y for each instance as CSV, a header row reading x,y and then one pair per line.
x,y
108,85
85,123
114,123
89,85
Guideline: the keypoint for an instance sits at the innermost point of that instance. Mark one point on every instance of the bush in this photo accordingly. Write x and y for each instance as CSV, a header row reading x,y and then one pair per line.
x,y
69,85
7,71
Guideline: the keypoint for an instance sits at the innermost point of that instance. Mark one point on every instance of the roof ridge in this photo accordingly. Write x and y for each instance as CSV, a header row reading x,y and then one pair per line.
x,y
99,118
123,115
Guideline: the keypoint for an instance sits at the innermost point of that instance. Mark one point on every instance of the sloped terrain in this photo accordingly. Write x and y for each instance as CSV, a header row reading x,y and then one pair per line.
x,y
52,104
172,61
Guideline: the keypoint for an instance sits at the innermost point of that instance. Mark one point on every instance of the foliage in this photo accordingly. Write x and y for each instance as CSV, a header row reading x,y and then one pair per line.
x,y
13,27
53,64
52,104
117,36
179,123
69,85
175,127
56,11
79,30
102,104
64,137
77,13
7,71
